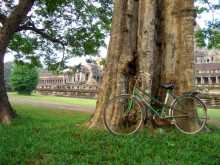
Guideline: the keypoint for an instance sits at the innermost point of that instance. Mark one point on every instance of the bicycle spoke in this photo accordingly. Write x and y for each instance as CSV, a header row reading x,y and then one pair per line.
x,y
189,114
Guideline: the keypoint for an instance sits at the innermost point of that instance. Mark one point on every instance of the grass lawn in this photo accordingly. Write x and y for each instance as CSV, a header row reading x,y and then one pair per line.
x,y
57,99
51,137
214,114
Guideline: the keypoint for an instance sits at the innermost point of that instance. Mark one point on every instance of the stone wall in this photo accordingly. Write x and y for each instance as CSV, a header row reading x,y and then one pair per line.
x,y
207,75
211,100
86,91
83,82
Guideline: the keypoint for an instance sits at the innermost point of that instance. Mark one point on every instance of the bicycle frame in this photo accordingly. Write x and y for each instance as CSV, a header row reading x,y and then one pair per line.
x,y
147,98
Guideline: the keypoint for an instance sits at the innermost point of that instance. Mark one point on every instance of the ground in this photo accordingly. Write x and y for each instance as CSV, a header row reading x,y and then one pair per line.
x,y
54,102
47,136
79,104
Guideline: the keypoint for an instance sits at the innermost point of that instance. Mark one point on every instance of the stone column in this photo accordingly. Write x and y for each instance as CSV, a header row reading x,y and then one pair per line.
x,y
210,81
80,76
63,79
217,80
75,77
202,80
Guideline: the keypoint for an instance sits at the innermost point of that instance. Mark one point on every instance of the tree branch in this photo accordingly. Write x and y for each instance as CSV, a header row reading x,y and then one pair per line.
x,y
31,26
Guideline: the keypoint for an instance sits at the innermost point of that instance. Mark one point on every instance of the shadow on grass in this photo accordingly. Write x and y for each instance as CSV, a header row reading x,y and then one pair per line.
x,y
50,137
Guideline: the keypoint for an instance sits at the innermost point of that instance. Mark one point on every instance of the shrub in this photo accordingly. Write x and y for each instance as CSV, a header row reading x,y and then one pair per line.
x,y
24,78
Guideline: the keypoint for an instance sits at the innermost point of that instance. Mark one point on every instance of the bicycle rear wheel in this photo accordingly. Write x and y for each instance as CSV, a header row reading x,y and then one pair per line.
x,y
189,114
123,115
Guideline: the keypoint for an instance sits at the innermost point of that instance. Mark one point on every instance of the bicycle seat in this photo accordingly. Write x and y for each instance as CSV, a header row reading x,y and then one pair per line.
x,y
167,86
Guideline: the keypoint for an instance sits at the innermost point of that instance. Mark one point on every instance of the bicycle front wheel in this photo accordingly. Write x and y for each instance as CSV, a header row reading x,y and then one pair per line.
x,y
189,114
123,115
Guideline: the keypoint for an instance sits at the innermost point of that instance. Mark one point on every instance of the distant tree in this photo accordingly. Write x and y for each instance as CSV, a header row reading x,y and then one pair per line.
x,y
24,78
208,36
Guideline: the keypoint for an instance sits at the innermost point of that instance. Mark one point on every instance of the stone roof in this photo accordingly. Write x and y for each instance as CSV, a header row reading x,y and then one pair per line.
x,y
201,52
94,68
46,73
207,66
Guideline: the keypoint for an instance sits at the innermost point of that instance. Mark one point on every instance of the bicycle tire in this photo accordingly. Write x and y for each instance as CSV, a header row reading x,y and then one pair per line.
x,y
189,121
119,119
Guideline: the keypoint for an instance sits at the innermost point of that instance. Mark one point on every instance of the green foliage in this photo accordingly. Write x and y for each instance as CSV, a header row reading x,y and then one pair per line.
x,y
52,5
214,39
55,27
209,36
200,10
200,38
50,137
24,78
77,28
23,44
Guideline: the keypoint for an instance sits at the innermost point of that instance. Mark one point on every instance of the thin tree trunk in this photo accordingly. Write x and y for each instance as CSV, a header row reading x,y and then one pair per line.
x,y
6,112
155,37
10,26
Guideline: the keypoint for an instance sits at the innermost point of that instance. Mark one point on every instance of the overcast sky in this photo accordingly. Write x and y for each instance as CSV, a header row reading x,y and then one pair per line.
x,y
201,20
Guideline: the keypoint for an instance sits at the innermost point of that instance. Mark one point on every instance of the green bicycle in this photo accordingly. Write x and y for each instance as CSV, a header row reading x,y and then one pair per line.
x,y
126,113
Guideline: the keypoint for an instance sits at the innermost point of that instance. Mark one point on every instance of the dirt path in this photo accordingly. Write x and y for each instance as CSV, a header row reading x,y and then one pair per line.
x,y
51,105
214,122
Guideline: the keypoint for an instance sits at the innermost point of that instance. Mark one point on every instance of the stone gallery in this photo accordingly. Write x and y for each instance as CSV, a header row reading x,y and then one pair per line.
x,y
207,70
80,81
84,80
207,75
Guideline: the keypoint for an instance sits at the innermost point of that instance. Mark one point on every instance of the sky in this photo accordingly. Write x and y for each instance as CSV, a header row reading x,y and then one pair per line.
x,y
204,18
201,20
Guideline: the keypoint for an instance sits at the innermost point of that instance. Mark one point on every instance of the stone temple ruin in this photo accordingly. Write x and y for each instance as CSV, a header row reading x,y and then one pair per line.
x,y
84,80
207,69
207,75
79,81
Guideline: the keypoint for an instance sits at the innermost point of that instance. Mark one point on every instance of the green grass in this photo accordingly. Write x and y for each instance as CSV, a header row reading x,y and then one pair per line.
x,y
214,114
57,99
51,137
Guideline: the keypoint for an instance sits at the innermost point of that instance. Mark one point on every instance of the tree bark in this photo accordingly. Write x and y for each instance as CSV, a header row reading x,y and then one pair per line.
x,y
178,44
178,49
154,36
10,26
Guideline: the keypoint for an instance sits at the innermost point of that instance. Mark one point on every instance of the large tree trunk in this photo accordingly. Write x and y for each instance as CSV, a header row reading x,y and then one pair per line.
x,y
151,36
10,26
178,50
